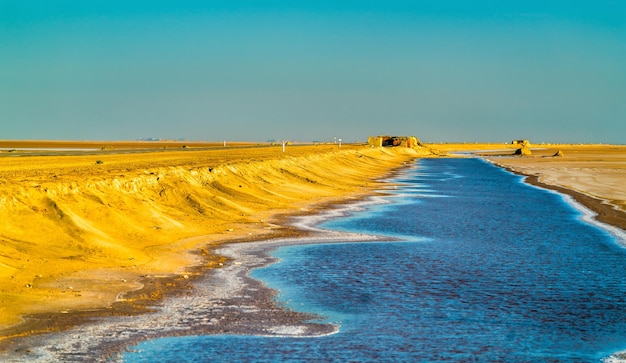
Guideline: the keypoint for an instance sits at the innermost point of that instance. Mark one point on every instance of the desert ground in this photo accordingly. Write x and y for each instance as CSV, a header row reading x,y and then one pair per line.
x,y
85,225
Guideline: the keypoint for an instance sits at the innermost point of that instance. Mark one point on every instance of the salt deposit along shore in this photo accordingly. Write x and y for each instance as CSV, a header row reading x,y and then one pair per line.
x,y
223,300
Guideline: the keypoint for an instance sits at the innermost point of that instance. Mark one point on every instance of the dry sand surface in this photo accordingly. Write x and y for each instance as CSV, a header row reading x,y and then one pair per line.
x,y
79,230
33,145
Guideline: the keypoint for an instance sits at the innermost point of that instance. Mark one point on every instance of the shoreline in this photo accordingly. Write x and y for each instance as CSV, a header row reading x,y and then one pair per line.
x,y
603,211
39,340
241,305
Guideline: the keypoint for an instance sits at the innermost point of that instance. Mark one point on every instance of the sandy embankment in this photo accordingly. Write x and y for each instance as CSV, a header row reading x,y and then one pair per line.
x,y
223,300
77,231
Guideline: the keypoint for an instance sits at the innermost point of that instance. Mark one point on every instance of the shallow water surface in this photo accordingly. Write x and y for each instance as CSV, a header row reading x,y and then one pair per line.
x,y
487,269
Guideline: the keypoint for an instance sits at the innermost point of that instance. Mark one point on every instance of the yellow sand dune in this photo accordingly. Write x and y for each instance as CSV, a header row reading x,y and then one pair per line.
x,y
76,230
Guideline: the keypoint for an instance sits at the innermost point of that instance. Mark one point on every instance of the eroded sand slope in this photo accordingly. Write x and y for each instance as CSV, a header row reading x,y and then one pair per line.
x,y
77,230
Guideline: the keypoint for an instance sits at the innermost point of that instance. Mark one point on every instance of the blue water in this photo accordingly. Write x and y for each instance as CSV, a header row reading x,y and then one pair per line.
x,y
489,270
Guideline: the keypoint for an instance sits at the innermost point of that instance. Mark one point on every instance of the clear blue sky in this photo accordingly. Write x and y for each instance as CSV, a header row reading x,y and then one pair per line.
x,y
443,70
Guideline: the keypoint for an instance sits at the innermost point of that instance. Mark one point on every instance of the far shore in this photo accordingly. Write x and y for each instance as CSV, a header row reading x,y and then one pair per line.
x,y
301,183
593,175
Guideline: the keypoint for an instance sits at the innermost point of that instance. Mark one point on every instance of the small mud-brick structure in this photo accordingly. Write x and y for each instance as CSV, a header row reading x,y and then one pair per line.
x,y
402,141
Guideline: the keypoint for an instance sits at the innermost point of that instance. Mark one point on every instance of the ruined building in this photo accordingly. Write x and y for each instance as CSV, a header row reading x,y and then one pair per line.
x,y
402,141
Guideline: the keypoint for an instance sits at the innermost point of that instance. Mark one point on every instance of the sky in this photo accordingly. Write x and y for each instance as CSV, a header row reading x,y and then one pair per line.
x,y
442,70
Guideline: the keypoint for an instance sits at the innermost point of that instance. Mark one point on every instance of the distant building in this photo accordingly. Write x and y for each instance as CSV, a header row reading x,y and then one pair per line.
x,y
520,142
391,141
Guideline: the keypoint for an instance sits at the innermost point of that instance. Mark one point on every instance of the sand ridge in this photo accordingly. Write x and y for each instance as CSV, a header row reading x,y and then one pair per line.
x,y
78,230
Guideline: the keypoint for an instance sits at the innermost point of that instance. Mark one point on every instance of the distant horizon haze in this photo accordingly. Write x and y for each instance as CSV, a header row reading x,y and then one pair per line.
x,y
241,70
